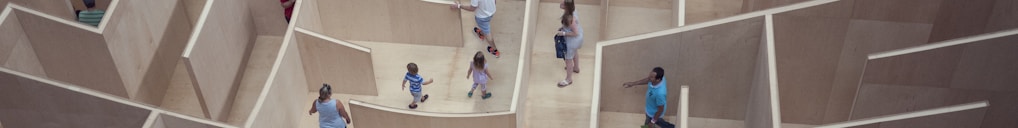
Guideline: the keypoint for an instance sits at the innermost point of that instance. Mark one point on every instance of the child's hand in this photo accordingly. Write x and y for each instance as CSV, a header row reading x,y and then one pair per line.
x,y
455,5
404,87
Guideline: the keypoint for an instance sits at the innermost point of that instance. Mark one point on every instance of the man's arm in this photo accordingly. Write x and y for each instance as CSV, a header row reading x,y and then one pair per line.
x,y
657,115
637,82
461,6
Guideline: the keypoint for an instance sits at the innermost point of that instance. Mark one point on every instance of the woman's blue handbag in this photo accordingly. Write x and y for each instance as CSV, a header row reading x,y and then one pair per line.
x,y
560,46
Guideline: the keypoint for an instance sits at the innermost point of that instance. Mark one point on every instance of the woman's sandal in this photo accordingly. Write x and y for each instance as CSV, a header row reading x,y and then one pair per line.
x,y
564,83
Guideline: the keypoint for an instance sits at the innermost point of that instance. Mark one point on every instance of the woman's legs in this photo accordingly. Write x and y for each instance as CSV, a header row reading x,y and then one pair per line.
x,y
569,68
576,64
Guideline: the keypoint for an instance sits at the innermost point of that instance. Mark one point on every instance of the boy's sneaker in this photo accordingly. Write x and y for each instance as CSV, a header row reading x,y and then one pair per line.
x,y
494,52
486,96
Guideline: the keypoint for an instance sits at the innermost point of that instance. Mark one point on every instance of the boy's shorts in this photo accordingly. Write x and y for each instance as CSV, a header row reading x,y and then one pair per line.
x,y
417,96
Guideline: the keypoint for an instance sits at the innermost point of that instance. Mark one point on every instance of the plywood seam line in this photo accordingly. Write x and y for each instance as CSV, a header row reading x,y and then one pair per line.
x,y
908,115
858,85
197,29
54,18
595,103
150,120
109,97
717,22
280,55
428,114
772,73
333,40
942,44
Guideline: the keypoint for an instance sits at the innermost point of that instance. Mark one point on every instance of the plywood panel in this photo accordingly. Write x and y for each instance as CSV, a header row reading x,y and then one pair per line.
x,y
160,70
58,8
718,68
34,104
839,9
194,9
399,21
960,18
698,11
652,4
806,51
135,34
866,37
877,99
913,11
758,110
757,5
176,122
364,116
86,62
310,17
99,4
283,105
1003,16
938,67
268,17
988,66
219,54
628,21
341,66
16,51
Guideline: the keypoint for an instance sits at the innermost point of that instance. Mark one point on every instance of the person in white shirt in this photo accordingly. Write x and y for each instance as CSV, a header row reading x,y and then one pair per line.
x,y
483,11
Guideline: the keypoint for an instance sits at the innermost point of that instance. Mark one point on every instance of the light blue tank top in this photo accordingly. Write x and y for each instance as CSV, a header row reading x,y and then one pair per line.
x,y
328,116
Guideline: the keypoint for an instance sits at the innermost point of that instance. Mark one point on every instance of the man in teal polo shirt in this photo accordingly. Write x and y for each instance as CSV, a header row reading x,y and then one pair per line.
x,y
657,97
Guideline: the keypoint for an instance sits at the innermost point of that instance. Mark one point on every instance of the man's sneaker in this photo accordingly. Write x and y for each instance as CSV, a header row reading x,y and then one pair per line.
x,y
494,52
479,33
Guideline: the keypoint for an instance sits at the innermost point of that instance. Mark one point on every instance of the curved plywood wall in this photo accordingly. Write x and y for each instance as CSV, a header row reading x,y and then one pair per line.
x,y
398,21
342,64
718,63
376,116
217,54
281,103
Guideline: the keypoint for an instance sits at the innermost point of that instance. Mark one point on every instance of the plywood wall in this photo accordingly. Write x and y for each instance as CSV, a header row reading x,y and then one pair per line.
x,y
219,55
339,65
194,9
718,63
397,21
310,17
71,54
99,4
167,121
31,103
16,51
268,16
58,8
283,105
946,76
758,110
364,116
877,100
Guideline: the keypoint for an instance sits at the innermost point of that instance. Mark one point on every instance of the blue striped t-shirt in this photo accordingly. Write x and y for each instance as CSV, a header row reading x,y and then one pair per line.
x,y
415,81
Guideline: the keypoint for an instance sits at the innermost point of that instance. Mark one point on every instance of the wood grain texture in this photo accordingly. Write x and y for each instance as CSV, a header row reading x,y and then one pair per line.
x,y
175,122
58,8
719,69
16,51
398,21
698,11
86,62
33,104
283,105
878,99
364,116
912,11
310,17
268,17
160,70
961,18
806,51
349,70
219,55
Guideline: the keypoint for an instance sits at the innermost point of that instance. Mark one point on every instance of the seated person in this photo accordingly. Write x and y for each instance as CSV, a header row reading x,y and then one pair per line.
x,y
91,15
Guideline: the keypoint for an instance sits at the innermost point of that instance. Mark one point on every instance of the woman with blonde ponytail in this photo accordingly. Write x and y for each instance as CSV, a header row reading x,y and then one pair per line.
x,y
333,113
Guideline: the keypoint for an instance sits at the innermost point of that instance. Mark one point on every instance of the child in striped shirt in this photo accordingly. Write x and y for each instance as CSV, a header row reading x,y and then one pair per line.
x,y
415,84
